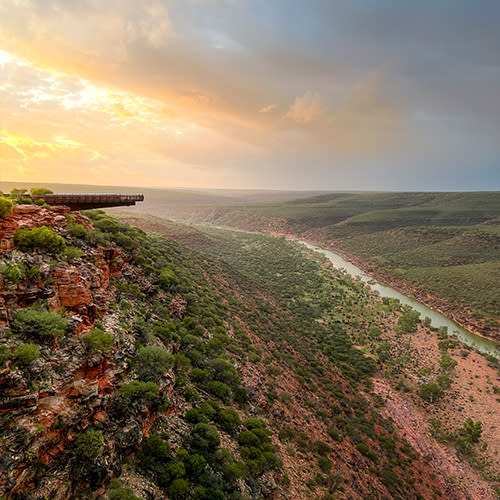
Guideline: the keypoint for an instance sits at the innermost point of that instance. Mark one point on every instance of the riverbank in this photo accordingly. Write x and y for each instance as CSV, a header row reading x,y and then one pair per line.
x,y
455,312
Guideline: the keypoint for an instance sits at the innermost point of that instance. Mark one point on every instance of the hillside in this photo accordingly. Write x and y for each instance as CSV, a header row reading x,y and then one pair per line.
x,y
134,366
444,245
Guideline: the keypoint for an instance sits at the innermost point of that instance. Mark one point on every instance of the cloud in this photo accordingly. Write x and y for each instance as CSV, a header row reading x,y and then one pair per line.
x,y
338,82
306,109
268,108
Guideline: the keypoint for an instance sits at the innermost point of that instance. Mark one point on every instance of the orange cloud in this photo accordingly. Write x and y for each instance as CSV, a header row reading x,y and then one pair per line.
x,y
27,148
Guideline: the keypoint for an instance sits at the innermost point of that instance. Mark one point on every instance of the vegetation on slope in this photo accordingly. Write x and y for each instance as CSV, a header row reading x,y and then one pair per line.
x,y
414,236
204,377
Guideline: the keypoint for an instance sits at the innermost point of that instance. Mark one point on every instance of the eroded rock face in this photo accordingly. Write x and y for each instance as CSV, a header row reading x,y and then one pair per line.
x,y
79,288
73,289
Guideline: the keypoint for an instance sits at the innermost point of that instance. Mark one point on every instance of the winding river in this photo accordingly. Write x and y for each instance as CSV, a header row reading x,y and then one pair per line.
x,y
479,343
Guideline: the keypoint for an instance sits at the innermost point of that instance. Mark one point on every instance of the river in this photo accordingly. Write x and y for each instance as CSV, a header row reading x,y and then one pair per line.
x,y
479,343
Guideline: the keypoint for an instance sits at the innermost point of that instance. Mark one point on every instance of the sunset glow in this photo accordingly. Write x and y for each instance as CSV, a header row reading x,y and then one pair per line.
x,y
186,94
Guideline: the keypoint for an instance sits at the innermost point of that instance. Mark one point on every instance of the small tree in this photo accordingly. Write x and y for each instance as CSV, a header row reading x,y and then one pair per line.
x,y
40,191
89,444
152,362
41,237
408,321
98,341
447,363
5,207
25,354
472,431
39,324
430,391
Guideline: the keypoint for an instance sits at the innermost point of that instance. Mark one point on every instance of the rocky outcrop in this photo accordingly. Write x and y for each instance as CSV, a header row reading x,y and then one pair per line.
x,y
80,289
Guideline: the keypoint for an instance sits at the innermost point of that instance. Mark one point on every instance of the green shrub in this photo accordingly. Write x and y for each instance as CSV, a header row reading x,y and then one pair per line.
x,y
174,470
205,439
5,207
25,354
98,341
117,491
430,391
225,372
72,253
76,230
325,464
40,191
41,237
408,321
444,381
321,448
4,354
107,225
220,390
200,376
178,489
138,390
152,362
153,453
168,279
228,420
13,273
89,444
34,323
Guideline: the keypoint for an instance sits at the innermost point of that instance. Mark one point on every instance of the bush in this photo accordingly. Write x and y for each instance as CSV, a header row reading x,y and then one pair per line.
x,y
25,354
76,230
168,279
178,489
34,323
321,448
325,464
174,470
205,439
72,253
13,273
40,191
430,391
98,340
41,237
408,321
117,491
138,390
89,444
4,354
152,362
220,390
153,453
5,207
228,420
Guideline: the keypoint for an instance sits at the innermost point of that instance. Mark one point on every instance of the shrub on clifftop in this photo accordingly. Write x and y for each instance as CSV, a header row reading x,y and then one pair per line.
x,y
41,237
33,323
5,207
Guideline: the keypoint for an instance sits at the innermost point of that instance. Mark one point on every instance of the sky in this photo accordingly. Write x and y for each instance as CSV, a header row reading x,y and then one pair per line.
x,y
282,94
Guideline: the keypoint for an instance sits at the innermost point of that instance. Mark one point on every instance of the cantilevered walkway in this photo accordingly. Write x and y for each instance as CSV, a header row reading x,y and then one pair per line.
x,y
87,201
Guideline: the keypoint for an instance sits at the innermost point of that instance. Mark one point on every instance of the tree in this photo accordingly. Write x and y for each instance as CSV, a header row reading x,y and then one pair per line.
x,y
41,237
98,341
408,321
430,391
25,354
34,323
472,431
40,191
152,362
89,444
5,207
205,439
444,381
447,363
